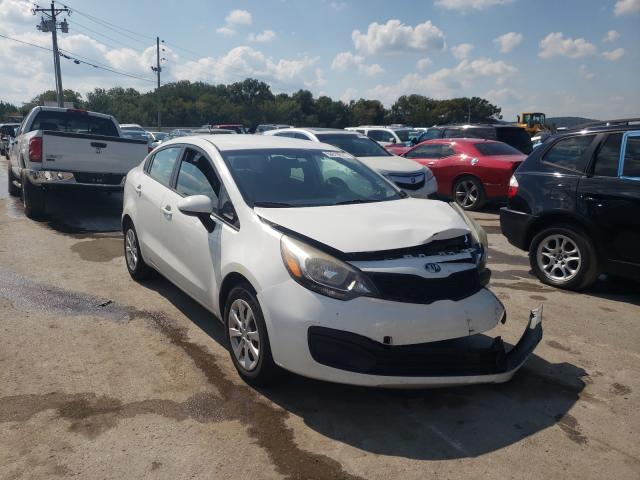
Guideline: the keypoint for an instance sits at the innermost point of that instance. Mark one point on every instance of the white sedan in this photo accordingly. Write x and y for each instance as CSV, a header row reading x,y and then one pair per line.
x,y
318,265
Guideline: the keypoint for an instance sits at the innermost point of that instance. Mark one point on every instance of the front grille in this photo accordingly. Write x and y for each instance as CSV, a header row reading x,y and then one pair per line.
x,y
400,287
99,178
409,182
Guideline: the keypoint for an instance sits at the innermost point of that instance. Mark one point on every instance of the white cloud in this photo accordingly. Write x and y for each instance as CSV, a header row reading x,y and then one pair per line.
x,y
396,37
462,51
555,44
611,36
614,55
445,82
228,31
467,5
584,73
503,96
507,42
349,94
423,64
624,7
264,37
234,19
338,6
242,62
347,60
239,17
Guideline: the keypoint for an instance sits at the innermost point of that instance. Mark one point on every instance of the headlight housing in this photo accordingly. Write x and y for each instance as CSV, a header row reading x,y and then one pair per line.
x,y
322,273
428,174
479,236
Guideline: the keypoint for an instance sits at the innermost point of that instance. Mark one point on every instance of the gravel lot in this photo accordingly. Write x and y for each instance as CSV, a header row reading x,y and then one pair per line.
x,y
101,377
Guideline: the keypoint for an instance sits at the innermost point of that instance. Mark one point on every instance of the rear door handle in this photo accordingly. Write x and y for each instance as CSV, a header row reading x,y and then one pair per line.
x,y
167,211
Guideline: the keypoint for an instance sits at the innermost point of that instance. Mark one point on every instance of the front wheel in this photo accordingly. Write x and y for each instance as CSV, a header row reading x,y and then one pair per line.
x,y
13,190
564,257
468,192
247,337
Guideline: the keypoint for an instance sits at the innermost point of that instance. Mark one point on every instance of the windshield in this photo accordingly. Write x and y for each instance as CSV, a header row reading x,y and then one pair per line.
x,y
356,145
405,134
496,148
295,177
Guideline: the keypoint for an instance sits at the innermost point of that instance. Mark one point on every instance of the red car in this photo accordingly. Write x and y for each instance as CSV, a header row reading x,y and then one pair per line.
x,y
469,170
398,148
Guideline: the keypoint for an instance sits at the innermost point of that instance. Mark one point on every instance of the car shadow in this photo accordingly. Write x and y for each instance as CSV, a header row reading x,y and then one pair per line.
x,y
77,211
431,424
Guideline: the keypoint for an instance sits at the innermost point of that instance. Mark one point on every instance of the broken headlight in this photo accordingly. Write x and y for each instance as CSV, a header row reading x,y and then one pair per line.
x,y
480,240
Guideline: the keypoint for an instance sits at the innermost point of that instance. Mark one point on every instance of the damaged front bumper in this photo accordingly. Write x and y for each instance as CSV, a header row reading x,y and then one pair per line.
x,y
356,359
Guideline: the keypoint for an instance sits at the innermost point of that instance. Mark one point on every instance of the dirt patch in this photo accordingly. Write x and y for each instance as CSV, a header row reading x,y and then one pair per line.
x,y
524,286
540,298
571,428
619,389
102,249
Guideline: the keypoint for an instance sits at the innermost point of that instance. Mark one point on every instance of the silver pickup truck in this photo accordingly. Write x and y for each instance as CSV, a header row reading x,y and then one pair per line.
x,y
59,147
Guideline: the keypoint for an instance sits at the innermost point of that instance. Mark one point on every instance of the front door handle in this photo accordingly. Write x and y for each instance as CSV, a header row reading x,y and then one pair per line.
x,y
166,210
138,189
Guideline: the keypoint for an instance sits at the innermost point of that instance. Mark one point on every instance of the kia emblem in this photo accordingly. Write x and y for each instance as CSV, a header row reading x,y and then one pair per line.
x,y
413,179
432,267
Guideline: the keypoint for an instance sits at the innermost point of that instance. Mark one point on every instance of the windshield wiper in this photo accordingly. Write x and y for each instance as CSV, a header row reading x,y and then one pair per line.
x,y
356,200
273,205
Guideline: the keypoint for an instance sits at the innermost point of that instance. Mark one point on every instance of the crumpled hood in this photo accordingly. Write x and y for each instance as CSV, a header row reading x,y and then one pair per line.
x,y
369,227
392,164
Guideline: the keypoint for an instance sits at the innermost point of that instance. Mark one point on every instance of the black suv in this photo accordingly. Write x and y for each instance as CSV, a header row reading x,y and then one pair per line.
x,y
574,204
512,135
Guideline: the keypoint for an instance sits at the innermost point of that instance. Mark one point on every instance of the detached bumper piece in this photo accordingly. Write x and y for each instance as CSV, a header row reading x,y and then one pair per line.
x,y
476,355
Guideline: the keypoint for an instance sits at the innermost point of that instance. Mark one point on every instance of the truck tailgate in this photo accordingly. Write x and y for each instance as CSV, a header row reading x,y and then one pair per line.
x,y
76,152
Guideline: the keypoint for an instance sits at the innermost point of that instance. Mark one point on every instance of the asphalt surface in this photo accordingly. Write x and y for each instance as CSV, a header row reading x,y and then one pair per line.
x,y
102,377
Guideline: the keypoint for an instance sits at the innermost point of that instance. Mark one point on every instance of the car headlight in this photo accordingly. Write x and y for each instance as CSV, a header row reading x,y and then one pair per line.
x,y
322,273
479,236
428,174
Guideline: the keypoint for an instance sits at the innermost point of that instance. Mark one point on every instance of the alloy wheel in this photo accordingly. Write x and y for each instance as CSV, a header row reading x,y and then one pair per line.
x,y
466,193
131,249
244,335
559,258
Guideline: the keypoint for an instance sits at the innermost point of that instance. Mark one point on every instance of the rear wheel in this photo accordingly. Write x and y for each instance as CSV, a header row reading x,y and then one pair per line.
x,y
33,198
13,190
136,265
247,337
564,257
468,192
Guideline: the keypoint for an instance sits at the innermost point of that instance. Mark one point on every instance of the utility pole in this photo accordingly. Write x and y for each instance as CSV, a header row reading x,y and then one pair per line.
x,y
50,24
158,69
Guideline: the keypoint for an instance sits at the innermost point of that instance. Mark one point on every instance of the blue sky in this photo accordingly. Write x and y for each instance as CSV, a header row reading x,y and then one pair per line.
x,y
569,57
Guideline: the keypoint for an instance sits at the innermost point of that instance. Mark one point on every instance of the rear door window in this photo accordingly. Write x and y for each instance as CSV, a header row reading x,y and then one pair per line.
x,y
161,168
631,166
608,157
431,134
570,153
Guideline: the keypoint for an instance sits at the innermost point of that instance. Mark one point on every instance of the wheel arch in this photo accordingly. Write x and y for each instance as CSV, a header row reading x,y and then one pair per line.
x,y
463,175
560,218
231,280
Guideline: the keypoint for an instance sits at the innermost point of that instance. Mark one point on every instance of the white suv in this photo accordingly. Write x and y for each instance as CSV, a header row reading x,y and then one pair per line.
x,y
415,179
318,265
386,136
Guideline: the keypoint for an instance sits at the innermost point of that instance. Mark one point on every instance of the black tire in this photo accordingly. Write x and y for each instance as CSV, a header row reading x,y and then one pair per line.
x,y
470,185
13,190
33,198
586,271
265,371
138,268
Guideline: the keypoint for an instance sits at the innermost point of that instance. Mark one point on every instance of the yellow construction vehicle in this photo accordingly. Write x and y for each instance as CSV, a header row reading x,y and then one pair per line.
x,y
534,123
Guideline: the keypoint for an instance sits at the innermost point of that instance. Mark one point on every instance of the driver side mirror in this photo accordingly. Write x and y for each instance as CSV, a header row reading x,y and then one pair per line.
x,y
392,139
199,206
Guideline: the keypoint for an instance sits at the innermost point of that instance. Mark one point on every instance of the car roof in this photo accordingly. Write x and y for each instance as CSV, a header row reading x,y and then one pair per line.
x,y
461,140
315,130
253,142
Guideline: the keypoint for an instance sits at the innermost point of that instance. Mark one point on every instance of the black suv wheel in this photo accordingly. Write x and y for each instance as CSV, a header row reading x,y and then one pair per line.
x,y
563,256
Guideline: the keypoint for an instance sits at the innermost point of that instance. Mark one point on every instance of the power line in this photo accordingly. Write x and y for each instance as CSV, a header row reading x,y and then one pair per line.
x,y
93,32
71,56
112,26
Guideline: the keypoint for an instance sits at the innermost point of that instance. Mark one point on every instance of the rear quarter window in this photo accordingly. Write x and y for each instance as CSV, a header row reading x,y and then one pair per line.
x,y
570,153
631,167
